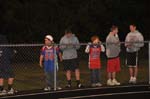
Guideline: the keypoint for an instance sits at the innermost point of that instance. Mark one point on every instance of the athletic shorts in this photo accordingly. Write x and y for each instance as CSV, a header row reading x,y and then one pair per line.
x,y
113,65
132,59
6,72
71,64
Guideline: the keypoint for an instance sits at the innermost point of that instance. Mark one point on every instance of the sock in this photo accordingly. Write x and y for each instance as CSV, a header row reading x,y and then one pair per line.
x,y
78,82
1,88
9,86
69,82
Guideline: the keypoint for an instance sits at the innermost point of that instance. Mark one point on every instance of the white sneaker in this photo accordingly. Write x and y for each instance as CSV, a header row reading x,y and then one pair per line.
x,y
80,86
98,85
4,92
11,91
47,88
59,88
115,82
110,83
131,80
134,80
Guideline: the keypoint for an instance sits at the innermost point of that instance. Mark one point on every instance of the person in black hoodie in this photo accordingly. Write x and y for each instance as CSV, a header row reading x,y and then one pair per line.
x,y
6,70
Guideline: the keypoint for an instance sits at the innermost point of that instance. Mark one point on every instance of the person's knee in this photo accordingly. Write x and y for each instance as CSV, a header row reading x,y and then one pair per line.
x,y
1,81
77,71
10,79
68,72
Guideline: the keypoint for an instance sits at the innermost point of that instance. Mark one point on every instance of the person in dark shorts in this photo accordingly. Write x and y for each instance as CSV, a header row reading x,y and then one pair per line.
x,y
70,57
71,64
6,70
133,47
132,59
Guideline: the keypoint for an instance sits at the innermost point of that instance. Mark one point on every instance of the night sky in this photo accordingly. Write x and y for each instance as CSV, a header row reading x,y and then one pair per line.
x,y
28,21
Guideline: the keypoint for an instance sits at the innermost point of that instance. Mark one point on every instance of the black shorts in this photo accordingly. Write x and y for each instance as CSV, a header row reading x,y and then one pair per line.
x,y
71,64
132,59
6,72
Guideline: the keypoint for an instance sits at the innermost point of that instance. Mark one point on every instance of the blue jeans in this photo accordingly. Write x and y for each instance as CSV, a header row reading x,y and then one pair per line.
x,y
95,76
50,79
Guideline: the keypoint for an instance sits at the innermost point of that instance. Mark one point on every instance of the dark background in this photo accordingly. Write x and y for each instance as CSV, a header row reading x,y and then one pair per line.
x,y
28,21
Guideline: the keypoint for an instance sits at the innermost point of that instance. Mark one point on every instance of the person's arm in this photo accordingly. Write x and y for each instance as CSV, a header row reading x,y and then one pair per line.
x,y
77,46
87,50
60,57
102,48
140,40
127,41
58,51
41,60
109,41
62,47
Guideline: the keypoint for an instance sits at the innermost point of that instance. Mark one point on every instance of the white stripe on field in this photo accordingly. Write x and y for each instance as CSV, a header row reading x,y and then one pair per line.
x,y
42,93
110,94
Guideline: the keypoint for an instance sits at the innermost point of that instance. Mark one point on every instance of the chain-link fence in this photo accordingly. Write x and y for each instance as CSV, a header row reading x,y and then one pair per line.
x,y
24,61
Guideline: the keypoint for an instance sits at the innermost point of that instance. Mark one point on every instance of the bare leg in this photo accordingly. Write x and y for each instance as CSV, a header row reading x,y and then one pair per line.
x,y
68,75
1,84
109,76
10,81
135,72
131,72
77,74
114,75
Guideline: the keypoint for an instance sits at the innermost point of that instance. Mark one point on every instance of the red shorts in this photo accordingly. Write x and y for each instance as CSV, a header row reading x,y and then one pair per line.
x,y
113,65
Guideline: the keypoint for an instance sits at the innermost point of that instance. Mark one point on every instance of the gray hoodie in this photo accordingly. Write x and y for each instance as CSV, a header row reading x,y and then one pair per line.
x,y
132,40
70,50
112,46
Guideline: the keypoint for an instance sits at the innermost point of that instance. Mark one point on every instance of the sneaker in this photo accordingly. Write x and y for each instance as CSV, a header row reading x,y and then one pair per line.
x,y
47,88
110,83
3,92
98,85
131,80
68,86
11,91
80,85
59,88
116,82
93,85
134,80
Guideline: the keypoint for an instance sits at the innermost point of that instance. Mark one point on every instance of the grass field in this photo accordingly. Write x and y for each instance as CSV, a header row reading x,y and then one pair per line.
x,y
29,76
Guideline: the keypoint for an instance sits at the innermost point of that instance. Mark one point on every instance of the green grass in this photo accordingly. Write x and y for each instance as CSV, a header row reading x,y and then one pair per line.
x,y
30,76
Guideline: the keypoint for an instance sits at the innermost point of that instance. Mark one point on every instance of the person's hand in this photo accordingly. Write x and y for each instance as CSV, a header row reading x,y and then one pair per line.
x,y
61,59
129,45
41,65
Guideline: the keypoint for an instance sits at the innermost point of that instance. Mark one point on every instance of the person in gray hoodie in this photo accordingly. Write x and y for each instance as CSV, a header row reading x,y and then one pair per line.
x,y
134,41
69,44
112,52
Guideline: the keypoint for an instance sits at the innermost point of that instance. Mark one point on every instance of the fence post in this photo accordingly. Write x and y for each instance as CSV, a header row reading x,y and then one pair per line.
x,y
149,61
55,69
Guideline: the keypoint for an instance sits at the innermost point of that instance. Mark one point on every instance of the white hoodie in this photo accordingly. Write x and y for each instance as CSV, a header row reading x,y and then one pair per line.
x,y
134,41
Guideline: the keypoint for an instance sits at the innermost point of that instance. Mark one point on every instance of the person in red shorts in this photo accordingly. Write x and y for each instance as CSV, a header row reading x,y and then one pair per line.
x,y
112,52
